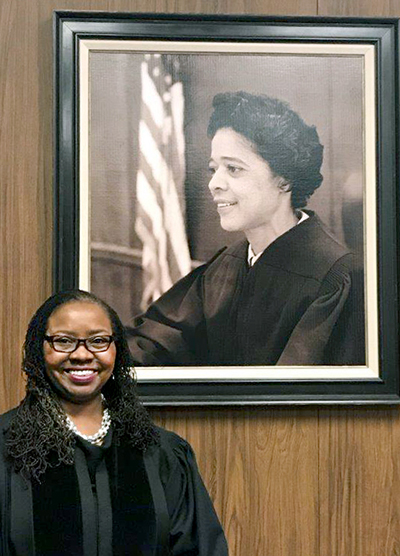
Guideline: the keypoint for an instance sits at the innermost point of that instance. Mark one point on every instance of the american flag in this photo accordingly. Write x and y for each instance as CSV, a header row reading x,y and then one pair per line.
x,y
160,222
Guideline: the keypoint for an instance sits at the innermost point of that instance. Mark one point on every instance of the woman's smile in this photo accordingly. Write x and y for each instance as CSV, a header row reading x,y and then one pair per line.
x,y
225,205
78,376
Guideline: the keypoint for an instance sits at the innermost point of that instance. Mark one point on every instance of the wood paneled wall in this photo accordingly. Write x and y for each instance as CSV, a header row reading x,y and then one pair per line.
x,y
285,481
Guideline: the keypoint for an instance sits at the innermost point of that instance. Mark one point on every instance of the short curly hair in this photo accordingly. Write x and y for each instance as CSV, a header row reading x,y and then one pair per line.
x,y
38,435
290,146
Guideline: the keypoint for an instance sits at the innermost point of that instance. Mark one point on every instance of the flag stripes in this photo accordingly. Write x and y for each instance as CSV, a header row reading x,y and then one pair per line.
x,y
160,222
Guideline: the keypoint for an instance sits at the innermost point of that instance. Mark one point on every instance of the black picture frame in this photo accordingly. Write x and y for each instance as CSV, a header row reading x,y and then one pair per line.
x,y
72,29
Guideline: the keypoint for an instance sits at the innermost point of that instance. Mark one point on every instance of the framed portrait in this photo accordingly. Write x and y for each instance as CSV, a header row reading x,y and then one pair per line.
x,y
229,185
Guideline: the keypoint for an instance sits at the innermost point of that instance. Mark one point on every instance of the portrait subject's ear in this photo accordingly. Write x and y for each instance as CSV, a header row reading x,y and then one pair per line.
x,y
285,186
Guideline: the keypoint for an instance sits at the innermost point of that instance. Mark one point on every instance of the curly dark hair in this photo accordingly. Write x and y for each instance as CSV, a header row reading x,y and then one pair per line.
x,y
290,146
38,436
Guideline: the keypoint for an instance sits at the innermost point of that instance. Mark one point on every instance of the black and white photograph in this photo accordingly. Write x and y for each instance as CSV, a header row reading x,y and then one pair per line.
x,y
228,205
201,166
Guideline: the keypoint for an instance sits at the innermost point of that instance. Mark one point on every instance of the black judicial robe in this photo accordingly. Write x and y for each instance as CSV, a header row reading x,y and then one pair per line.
x,y
142,505
300,304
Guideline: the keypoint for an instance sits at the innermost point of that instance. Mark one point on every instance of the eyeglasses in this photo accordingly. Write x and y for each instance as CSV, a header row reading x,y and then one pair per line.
x,y
65,344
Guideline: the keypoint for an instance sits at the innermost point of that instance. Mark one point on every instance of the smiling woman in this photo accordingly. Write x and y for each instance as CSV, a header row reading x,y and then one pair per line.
x,y
81,453
77,369
289,294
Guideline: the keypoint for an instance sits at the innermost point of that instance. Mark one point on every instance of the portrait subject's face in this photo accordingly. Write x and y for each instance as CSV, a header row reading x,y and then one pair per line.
x,y
80,375
243,185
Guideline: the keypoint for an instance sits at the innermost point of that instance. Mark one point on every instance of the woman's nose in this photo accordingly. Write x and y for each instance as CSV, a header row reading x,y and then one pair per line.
x,y
217,181
81,352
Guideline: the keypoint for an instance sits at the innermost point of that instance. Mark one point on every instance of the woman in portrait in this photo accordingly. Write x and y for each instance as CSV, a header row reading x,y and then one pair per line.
x,y
83,470
289,293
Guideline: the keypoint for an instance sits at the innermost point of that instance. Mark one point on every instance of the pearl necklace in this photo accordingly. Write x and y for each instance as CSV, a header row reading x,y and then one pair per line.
x,y
98,437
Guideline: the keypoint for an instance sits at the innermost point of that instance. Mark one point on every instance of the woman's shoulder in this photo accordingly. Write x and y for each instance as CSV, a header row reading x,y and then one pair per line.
x,y
320,239
309,250
171,441
5,421
171,453
237,250
228,259
6,418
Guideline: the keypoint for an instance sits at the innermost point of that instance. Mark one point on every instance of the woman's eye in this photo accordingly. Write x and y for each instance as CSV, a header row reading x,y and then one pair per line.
x,y
211,170
98,340
233,169
64,340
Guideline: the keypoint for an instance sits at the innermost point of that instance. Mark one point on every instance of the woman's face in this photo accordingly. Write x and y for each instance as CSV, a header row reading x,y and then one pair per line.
x,y
79,376
243,185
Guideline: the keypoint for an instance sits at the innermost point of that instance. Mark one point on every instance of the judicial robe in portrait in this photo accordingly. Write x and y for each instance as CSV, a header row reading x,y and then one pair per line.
x,y
301,303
